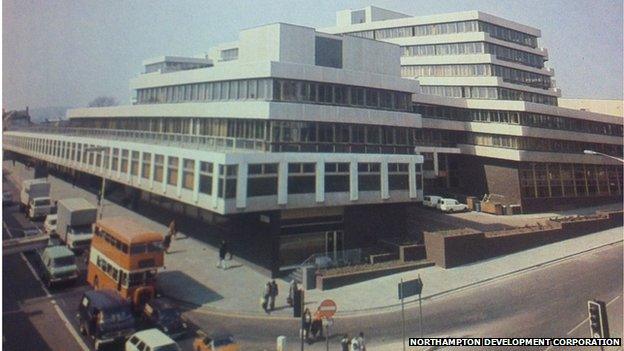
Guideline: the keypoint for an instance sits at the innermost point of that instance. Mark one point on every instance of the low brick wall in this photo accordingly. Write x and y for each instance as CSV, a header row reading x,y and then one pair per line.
x,y
457,247
385,257
326,281
412,252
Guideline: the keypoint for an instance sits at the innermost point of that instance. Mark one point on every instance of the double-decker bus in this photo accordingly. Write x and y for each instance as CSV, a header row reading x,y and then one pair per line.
x,y
125,256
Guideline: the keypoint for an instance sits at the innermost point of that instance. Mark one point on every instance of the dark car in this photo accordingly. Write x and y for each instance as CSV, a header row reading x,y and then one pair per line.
x,y
105,317
160,314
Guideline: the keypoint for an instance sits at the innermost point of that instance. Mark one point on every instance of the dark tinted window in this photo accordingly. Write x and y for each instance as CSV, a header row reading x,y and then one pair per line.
x,y
328,52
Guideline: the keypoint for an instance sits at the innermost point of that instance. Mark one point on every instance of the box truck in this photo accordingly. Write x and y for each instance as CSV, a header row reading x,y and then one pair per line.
x,y
35,198
74,222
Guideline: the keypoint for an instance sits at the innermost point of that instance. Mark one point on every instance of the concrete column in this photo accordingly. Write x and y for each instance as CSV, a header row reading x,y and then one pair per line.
x,y
320,181
385,186
353,181
129,173
436,166
215,185
180,175
282,183
140,170
411,168
152,168
196,181
241,185
165,184
120,156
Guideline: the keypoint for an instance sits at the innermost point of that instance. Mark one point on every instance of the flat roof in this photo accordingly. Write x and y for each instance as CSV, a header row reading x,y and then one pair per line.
x,y
129,230
156,337
76,204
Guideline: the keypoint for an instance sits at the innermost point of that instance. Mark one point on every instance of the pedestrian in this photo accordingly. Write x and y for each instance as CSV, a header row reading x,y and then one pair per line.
x,y
307,324
223,250
265,297
317,326
172,229
167,243
357,343
274,291
345,342
290,299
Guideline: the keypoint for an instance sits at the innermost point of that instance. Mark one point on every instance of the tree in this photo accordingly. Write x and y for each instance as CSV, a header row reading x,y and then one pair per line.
x,y
102,101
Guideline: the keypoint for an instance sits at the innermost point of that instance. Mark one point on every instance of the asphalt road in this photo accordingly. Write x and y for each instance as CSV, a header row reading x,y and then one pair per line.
x,y
548,301
545,302
34,317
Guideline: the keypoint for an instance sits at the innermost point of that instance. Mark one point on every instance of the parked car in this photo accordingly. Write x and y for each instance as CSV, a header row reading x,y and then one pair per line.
x,y
7,198
49,225
451,205
105,316
431,200
59,265
31,231
216,343
157,313
151,339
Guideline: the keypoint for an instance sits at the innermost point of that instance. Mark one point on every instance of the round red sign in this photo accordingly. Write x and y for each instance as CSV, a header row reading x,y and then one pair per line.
x,y
327,309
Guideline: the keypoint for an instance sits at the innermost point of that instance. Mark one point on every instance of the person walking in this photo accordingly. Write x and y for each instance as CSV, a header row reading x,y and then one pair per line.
x,y
223,251
265,297
317,326
345,342
172,229
290,299
274,291
307,324
357,343
167,243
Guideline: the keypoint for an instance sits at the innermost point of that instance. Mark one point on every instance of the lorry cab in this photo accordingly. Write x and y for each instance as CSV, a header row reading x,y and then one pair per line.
x,y
39,207
105,317
59,265
49,225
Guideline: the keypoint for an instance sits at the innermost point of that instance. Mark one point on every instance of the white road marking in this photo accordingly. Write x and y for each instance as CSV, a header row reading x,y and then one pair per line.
x,y
583,322
58,310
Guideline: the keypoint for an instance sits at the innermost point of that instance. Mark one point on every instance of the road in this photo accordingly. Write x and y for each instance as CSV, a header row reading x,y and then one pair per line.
x,y
548,301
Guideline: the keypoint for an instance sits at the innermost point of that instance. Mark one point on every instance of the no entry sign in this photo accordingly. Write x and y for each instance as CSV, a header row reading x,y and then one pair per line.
x,y
327,309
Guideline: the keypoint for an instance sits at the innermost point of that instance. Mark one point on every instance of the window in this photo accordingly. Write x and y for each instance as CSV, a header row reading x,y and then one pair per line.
x,y
205,177
262,179
124,161
369,177
147,159
115,164
227,181
134,163
188,175
328,52
398,176
337,177
301,178
172,175
159,163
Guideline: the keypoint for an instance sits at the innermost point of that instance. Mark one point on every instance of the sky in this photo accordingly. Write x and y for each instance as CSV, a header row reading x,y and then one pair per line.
x,y
68,52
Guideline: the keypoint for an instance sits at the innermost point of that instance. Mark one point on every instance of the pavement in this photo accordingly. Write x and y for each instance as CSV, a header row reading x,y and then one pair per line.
x,y
191,275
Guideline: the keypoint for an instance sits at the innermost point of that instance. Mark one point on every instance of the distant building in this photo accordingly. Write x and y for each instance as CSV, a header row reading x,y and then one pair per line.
x,y
15,119
604,106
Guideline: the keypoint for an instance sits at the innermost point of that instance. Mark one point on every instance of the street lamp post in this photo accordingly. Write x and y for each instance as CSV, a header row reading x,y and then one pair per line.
x,y
103,188
592,152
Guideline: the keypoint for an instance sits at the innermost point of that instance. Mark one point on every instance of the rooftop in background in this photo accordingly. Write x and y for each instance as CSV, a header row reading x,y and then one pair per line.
x,y
604,106
365,19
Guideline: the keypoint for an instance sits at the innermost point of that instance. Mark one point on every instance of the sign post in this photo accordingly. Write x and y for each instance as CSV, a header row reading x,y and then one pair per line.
x,y
326,310
407,289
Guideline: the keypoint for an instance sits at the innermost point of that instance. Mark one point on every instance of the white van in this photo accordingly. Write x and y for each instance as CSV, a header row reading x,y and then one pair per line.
x,y
451,205
151,339
431,200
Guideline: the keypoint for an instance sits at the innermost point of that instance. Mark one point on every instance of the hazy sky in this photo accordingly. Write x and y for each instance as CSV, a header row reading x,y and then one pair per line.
x,y
67,52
